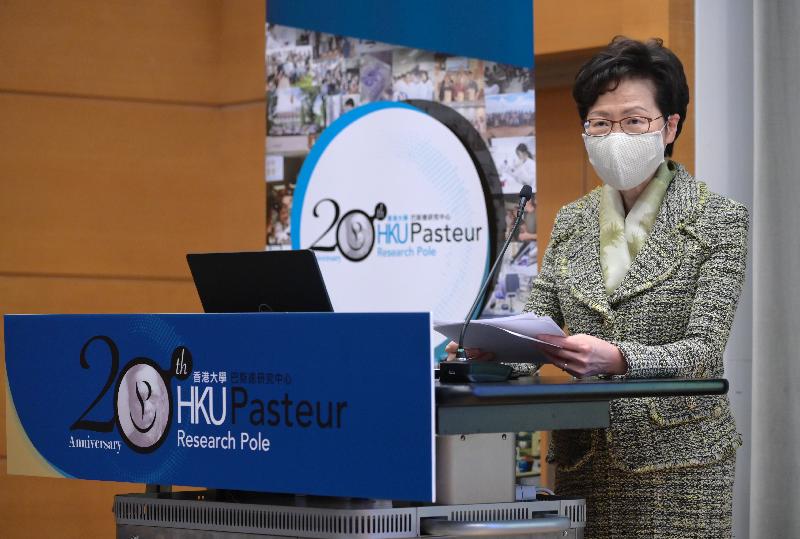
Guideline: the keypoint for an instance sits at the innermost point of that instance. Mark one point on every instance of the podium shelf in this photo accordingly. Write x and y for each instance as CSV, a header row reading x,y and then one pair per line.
x,y
545,403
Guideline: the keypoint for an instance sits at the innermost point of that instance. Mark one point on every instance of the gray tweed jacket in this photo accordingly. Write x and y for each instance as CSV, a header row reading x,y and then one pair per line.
x,y
670,317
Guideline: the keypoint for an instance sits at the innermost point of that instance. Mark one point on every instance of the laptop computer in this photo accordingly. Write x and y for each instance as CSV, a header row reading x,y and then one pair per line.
x,y
279,281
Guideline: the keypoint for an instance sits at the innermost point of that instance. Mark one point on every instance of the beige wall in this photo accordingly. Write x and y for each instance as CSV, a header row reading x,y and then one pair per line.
x,y
132,133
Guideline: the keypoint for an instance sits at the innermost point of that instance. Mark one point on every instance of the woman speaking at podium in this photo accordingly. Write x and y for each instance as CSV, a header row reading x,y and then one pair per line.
x,y
645,273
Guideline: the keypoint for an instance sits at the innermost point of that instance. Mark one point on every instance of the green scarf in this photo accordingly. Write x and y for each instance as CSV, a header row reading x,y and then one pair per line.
x,y
622,236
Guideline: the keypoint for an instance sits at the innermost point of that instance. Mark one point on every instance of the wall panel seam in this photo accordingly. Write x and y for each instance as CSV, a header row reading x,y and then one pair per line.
x,y
87,276
143,101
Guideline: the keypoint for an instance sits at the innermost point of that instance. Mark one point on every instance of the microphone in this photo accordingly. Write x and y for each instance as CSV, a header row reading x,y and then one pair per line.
x,y
463,369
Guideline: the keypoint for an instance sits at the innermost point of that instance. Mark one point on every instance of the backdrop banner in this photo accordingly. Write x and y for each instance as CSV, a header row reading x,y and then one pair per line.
x,y
226,401
397,151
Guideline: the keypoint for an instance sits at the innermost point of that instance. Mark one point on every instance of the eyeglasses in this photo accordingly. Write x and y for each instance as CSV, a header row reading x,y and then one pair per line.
x,y
632,125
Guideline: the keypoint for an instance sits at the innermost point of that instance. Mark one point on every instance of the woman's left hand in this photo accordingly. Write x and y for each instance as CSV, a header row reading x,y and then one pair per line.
x,y
583,355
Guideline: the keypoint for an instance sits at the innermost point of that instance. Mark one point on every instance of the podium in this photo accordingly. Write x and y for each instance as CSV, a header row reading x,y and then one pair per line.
x,y
350,443
462,412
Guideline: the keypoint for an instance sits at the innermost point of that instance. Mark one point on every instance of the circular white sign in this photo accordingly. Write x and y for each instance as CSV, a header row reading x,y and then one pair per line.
x,y
143,406
392,203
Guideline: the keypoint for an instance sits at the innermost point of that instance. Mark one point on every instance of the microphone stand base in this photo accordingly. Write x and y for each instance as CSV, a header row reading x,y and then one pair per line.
x,y
471,371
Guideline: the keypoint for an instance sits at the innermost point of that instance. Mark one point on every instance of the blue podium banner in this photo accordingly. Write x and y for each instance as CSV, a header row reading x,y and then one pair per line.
x,y
309,403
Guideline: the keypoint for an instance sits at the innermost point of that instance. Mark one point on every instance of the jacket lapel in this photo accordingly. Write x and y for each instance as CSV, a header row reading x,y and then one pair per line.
x,y
663,250
584,275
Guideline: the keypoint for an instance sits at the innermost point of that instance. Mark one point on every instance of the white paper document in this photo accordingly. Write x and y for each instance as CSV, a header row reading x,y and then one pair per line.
x,y
511,338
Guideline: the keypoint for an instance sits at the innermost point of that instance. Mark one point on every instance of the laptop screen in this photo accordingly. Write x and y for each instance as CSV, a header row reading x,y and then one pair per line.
x,y
279,281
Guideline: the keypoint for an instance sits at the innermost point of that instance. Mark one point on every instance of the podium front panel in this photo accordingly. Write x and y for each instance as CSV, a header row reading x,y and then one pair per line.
x,y
308,403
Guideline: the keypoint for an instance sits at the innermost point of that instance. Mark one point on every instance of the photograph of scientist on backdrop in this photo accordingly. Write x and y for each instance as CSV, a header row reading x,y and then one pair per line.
x,y
475,113
332,47
279,37
458,79
376,77
291,92
506,79
352,77
292,64
511,115
515,161
328,76
336,105
279,211
412,74
519,266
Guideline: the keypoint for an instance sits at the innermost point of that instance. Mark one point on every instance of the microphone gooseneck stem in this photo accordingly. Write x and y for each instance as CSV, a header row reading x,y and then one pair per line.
x,y
461,354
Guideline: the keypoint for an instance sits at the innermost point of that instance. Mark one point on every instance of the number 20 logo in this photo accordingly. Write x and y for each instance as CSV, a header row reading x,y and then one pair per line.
x,y
142,396
355,232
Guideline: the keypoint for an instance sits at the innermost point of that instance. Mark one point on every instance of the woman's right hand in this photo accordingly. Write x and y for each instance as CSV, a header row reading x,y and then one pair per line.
x,y
472,353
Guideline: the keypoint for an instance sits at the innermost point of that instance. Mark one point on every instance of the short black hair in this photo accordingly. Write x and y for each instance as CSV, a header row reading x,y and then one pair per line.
x,y
523,148
626,58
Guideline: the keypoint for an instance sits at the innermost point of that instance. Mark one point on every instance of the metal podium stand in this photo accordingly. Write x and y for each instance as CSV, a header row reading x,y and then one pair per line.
x,y
472,421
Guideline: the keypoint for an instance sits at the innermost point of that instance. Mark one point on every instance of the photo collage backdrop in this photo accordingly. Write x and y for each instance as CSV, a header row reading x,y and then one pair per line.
x,y
313,78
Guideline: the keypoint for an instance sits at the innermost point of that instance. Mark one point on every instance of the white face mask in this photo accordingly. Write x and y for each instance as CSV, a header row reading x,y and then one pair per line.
x,y
624,161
